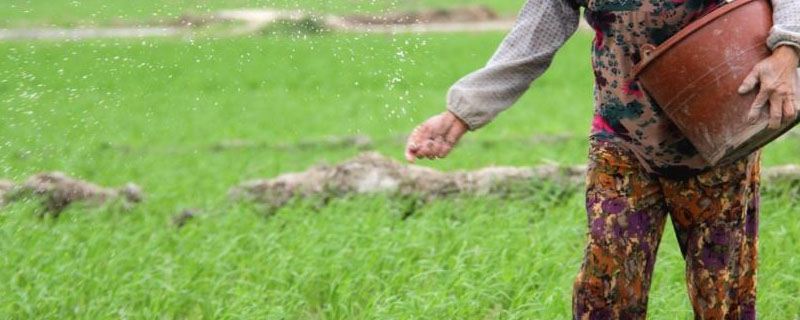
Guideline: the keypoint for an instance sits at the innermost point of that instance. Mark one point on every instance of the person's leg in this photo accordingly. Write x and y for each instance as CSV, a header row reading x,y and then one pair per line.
x,y
626,216
716,219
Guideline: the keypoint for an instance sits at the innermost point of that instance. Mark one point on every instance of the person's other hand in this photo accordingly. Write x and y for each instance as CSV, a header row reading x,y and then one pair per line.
x,y
777,77
435,137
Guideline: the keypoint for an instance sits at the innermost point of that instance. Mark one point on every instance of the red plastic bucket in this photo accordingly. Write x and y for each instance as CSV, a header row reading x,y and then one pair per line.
x,y
694,76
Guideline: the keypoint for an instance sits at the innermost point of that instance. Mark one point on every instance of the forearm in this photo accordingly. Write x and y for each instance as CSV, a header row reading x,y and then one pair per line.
x,y
786,24
541,29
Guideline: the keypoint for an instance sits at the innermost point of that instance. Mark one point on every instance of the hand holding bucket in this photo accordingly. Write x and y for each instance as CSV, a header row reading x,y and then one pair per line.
x,y
695,77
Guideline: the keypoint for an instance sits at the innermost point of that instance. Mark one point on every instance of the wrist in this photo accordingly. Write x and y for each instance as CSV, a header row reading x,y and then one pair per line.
x,y
789,53
457,121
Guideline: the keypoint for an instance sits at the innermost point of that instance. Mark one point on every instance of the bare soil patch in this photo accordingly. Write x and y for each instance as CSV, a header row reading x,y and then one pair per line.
x,y
252,20
462,14
57,191
371,173
5,187
358,141
89,33
182,218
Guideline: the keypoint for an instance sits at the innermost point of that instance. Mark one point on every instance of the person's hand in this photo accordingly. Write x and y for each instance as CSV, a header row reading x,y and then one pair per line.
x,y
435,137
777,77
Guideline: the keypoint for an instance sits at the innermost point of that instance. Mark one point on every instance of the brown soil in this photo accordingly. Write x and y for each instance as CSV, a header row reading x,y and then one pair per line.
x,y
360,142
5,187
785,173
58,191
184,217
455,15
89,33
372,173
469,19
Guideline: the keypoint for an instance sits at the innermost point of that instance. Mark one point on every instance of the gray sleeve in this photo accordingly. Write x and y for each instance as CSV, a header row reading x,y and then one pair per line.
x,y
786,24
541,29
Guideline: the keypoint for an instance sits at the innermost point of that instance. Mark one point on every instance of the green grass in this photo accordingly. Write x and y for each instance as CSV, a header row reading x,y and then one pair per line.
x,y
149,111
21,13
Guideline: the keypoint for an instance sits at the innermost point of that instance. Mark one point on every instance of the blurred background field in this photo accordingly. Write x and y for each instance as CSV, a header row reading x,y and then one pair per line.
x,y
99,12
155,111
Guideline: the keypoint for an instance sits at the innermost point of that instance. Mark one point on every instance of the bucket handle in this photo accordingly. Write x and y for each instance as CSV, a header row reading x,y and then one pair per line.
x,y
647,51
647,54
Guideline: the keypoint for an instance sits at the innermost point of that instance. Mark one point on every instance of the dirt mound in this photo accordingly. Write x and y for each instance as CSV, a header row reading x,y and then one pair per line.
x,y
268,21
455,15
358,141
184,217
5,187
785,173
58,190
373,173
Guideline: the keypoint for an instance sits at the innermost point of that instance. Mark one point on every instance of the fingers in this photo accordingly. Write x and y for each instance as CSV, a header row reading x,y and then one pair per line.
x,y
442,148
775,111
435,148
412,151
434,139
413,144
418,150
749,82
429,148
789,109
758,104
410,157
426,151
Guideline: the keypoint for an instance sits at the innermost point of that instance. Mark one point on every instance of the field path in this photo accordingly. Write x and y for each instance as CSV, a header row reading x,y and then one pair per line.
x,y
89,33
253,20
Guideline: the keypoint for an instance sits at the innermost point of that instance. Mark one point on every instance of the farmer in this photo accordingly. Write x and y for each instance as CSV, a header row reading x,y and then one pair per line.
x,y
640,167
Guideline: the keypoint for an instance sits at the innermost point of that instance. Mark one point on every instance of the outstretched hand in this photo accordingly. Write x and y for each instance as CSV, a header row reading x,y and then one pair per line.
x,y
778,80
436,137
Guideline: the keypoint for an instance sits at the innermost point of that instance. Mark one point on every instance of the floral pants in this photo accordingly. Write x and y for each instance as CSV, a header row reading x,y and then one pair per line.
x,y
715,216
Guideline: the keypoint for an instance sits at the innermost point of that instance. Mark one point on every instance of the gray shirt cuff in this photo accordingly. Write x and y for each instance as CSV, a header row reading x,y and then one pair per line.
x,y
779,37
786,26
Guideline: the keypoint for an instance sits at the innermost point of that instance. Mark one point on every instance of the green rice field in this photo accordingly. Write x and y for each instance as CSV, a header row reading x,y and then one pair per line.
x,y
150,111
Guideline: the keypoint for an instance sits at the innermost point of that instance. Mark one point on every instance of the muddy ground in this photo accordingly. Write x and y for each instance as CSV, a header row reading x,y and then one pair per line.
x,y
56,191
472,18
368,173
371,173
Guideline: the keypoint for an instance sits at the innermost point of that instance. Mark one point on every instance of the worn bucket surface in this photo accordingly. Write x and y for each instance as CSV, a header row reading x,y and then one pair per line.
x,y
694,76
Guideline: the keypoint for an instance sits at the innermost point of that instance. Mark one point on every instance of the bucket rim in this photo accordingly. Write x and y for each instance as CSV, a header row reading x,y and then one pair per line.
x,y
685,32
